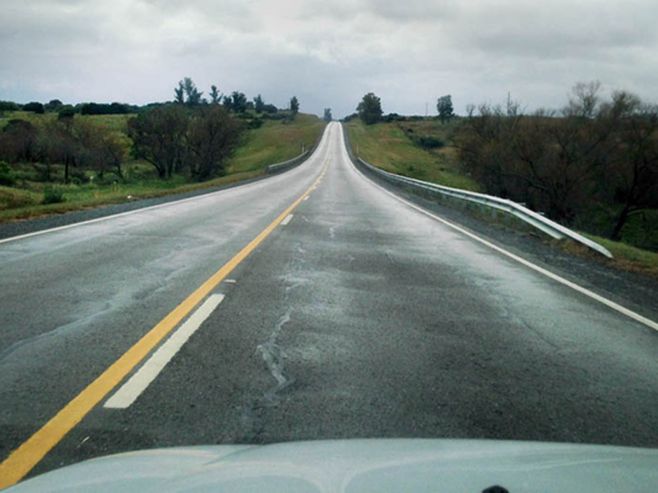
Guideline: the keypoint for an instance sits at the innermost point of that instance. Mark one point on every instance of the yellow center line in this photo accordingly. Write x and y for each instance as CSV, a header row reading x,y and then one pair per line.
x,y
21,461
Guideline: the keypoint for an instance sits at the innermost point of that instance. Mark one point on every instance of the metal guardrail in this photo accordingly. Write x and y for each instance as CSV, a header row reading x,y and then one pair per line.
x,y
297,160
538,221
290,163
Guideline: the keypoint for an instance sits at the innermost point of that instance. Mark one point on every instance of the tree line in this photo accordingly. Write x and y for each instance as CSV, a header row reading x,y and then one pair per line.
x,y
369,110
191,135
594,162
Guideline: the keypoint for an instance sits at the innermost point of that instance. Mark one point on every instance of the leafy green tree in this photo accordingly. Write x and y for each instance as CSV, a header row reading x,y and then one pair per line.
x,y
179,93
213,134
159,136
215,96
236,102
53,105
370,109
34,107
259,104
294,106
444,107
192,94
327,115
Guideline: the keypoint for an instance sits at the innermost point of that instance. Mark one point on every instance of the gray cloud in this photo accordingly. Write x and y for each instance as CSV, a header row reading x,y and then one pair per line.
x,y
327,53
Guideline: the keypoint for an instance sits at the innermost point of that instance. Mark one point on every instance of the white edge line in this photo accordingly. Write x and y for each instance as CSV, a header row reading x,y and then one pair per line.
x,y
609,303
133,388
286,220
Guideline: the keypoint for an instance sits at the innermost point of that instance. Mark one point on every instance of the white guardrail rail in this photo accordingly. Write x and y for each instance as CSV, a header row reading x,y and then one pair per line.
x,y
538,221
291,163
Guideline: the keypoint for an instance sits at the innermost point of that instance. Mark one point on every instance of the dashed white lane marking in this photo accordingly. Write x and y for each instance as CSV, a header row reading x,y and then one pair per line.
x,y
287,219
230,281
133,388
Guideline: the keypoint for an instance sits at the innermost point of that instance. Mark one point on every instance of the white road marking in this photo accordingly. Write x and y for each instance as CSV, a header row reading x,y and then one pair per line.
x,y
609,303
230,281
306,198
287,219
133,388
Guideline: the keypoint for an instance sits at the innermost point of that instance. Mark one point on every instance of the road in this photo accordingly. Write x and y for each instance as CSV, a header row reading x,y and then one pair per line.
x,y
354,315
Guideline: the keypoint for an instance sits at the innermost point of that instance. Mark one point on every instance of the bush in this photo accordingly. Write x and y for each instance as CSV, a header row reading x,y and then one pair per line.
x,y
34,107
78,177
52,195
7,177
255,123
428,142
9,106
66,111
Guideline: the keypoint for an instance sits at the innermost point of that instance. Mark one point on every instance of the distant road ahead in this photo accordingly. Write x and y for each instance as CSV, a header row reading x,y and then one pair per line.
x,y
353,315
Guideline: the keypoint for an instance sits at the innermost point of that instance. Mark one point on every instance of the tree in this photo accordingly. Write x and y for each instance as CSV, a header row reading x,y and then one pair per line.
x,y
53,105
215,96
18,141
34,107
370,109
9,106
58,145
584,100
159,137
294,107
179,93
444,107
270,109
191,92
236,102
259,104
212,136
187,93
327,115
633,173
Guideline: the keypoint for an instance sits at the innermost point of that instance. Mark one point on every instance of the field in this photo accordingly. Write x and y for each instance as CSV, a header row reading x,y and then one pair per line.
x,y
388,146
273,142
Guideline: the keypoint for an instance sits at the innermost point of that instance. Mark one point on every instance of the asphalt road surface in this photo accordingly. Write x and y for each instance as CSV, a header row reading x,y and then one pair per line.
x,y
355,315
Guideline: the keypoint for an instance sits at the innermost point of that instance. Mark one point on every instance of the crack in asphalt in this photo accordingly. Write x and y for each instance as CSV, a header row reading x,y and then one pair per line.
x,y
274,356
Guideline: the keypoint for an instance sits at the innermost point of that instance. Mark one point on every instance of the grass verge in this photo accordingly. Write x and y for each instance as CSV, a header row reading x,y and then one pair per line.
x,y
387,146
269,144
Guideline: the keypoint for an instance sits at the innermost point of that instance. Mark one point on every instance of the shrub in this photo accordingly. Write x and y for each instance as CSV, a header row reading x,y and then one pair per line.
x,y
428,142
52,195
66,111
34,107
9,106
7,177
255,123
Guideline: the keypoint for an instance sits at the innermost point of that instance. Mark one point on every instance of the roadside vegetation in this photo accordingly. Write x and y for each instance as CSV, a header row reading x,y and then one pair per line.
x,y
592,166
56,158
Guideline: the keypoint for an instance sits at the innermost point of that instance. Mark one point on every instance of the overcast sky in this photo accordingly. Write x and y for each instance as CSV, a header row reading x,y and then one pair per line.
x,y
327,52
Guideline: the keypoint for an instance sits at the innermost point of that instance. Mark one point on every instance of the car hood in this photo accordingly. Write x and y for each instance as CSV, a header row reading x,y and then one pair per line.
x,y
378,465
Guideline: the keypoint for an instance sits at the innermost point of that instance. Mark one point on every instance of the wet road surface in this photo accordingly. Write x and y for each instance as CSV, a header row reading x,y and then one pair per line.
x,y
358,316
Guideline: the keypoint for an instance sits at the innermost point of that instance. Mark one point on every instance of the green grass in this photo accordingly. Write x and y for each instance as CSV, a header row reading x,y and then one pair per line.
x,y
275,142
628,257
387,146
272,143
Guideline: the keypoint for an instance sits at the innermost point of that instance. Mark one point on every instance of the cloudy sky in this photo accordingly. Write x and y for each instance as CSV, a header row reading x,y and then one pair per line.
x,y
328,52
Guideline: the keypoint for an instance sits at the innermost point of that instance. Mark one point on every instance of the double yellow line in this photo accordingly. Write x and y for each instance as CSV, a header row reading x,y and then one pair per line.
x,y
21,461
